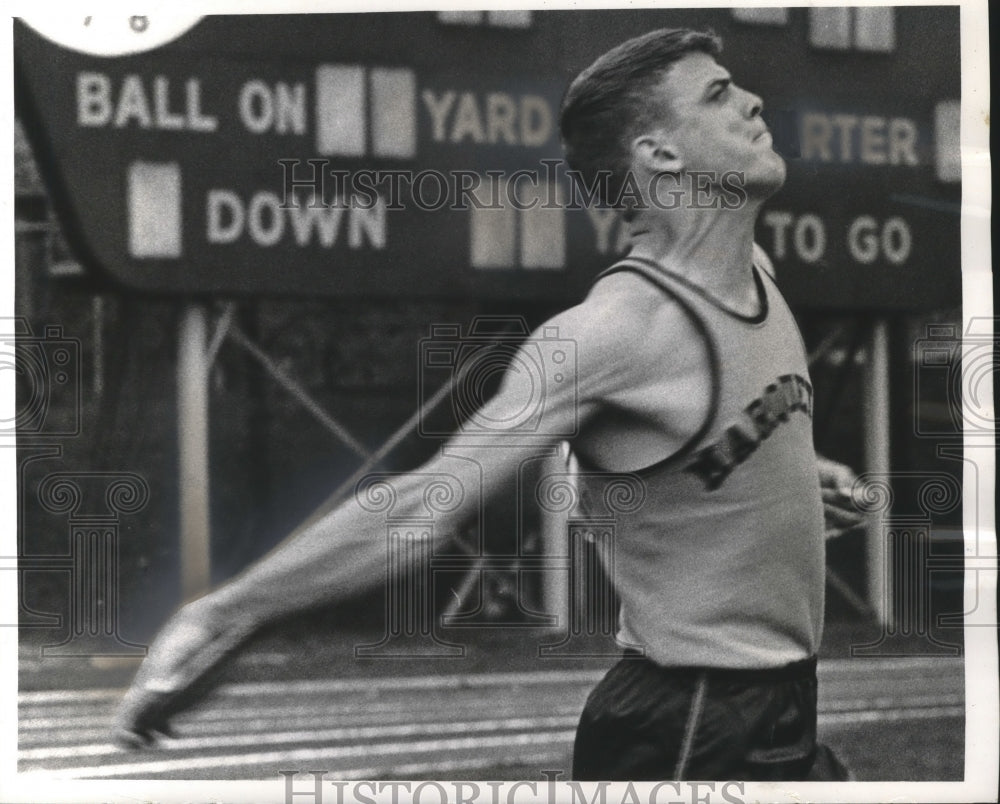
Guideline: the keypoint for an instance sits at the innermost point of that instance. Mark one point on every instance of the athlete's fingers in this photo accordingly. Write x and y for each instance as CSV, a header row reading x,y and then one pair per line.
x,y
840,514
839,497
131,736
835,476
839,517
839,509
172,677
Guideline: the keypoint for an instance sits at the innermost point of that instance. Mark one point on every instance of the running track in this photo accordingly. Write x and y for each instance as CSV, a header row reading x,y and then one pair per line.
x,y
443,726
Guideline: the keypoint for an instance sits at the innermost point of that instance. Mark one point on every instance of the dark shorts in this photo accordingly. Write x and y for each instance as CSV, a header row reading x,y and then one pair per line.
x,y
648,722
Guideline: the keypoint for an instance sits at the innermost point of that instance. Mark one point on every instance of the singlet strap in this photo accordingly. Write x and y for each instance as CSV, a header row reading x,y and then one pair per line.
x,y
757,318
654,275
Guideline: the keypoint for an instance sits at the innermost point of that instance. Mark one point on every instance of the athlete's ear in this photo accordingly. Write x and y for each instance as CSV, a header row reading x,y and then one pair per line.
x,y
654,152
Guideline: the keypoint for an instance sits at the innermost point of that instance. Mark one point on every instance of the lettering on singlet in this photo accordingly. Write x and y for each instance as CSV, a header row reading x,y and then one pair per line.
x,y
714,463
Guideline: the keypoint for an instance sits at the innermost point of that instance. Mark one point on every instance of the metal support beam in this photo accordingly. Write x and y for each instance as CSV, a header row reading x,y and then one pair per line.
x,y
403,432
555,539
876,441
193,363
97,333
298,392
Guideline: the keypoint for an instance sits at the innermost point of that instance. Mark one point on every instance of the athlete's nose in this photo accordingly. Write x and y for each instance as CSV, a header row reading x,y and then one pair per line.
x,y
755,105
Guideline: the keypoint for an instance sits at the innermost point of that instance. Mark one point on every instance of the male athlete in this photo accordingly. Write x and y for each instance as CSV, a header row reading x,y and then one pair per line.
x,y
691,375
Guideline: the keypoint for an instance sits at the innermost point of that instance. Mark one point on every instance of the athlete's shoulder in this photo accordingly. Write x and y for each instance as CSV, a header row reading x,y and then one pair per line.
x,y
624,310
627,330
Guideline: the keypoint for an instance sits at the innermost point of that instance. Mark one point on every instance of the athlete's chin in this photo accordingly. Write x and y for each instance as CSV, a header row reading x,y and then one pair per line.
x,y
768,179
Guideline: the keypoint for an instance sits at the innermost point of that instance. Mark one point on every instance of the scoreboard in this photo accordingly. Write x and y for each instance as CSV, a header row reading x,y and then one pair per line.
x,y
417,154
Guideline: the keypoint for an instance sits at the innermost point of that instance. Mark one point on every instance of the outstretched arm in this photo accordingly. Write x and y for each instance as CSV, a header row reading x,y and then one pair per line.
x,y
344,552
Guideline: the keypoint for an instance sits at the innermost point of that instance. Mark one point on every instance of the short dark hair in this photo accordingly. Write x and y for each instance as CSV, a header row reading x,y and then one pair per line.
x,y
608,103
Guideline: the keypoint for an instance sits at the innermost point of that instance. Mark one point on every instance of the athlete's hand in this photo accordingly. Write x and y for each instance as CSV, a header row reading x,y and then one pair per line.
x,y
173,675
836,482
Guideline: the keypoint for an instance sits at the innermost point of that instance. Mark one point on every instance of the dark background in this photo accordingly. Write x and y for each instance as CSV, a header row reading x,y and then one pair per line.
x,y
272,463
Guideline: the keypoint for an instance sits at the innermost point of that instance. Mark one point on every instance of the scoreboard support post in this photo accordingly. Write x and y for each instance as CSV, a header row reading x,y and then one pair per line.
x,y
193,362
876,442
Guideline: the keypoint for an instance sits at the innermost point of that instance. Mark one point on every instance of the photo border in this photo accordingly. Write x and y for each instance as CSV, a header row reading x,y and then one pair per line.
x,y
982,745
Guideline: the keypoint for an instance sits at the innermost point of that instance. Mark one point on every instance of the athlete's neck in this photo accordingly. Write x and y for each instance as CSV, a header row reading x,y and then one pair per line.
x,y
711,247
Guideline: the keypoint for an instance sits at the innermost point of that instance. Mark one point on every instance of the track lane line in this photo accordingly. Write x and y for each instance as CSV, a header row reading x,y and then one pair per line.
x,y
828,720
67,735
307,755
306,736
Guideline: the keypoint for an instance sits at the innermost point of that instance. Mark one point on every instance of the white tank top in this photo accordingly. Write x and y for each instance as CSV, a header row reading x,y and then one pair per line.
x,y
724,563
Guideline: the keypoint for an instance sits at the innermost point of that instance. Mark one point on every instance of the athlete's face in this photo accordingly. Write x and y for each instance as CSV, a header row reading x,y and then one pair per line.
x,y
711,124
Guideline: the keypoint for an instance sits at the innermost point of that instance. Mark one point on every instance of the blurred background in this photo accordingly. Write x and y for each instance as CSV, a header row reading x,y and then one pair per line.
x,y
312,358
